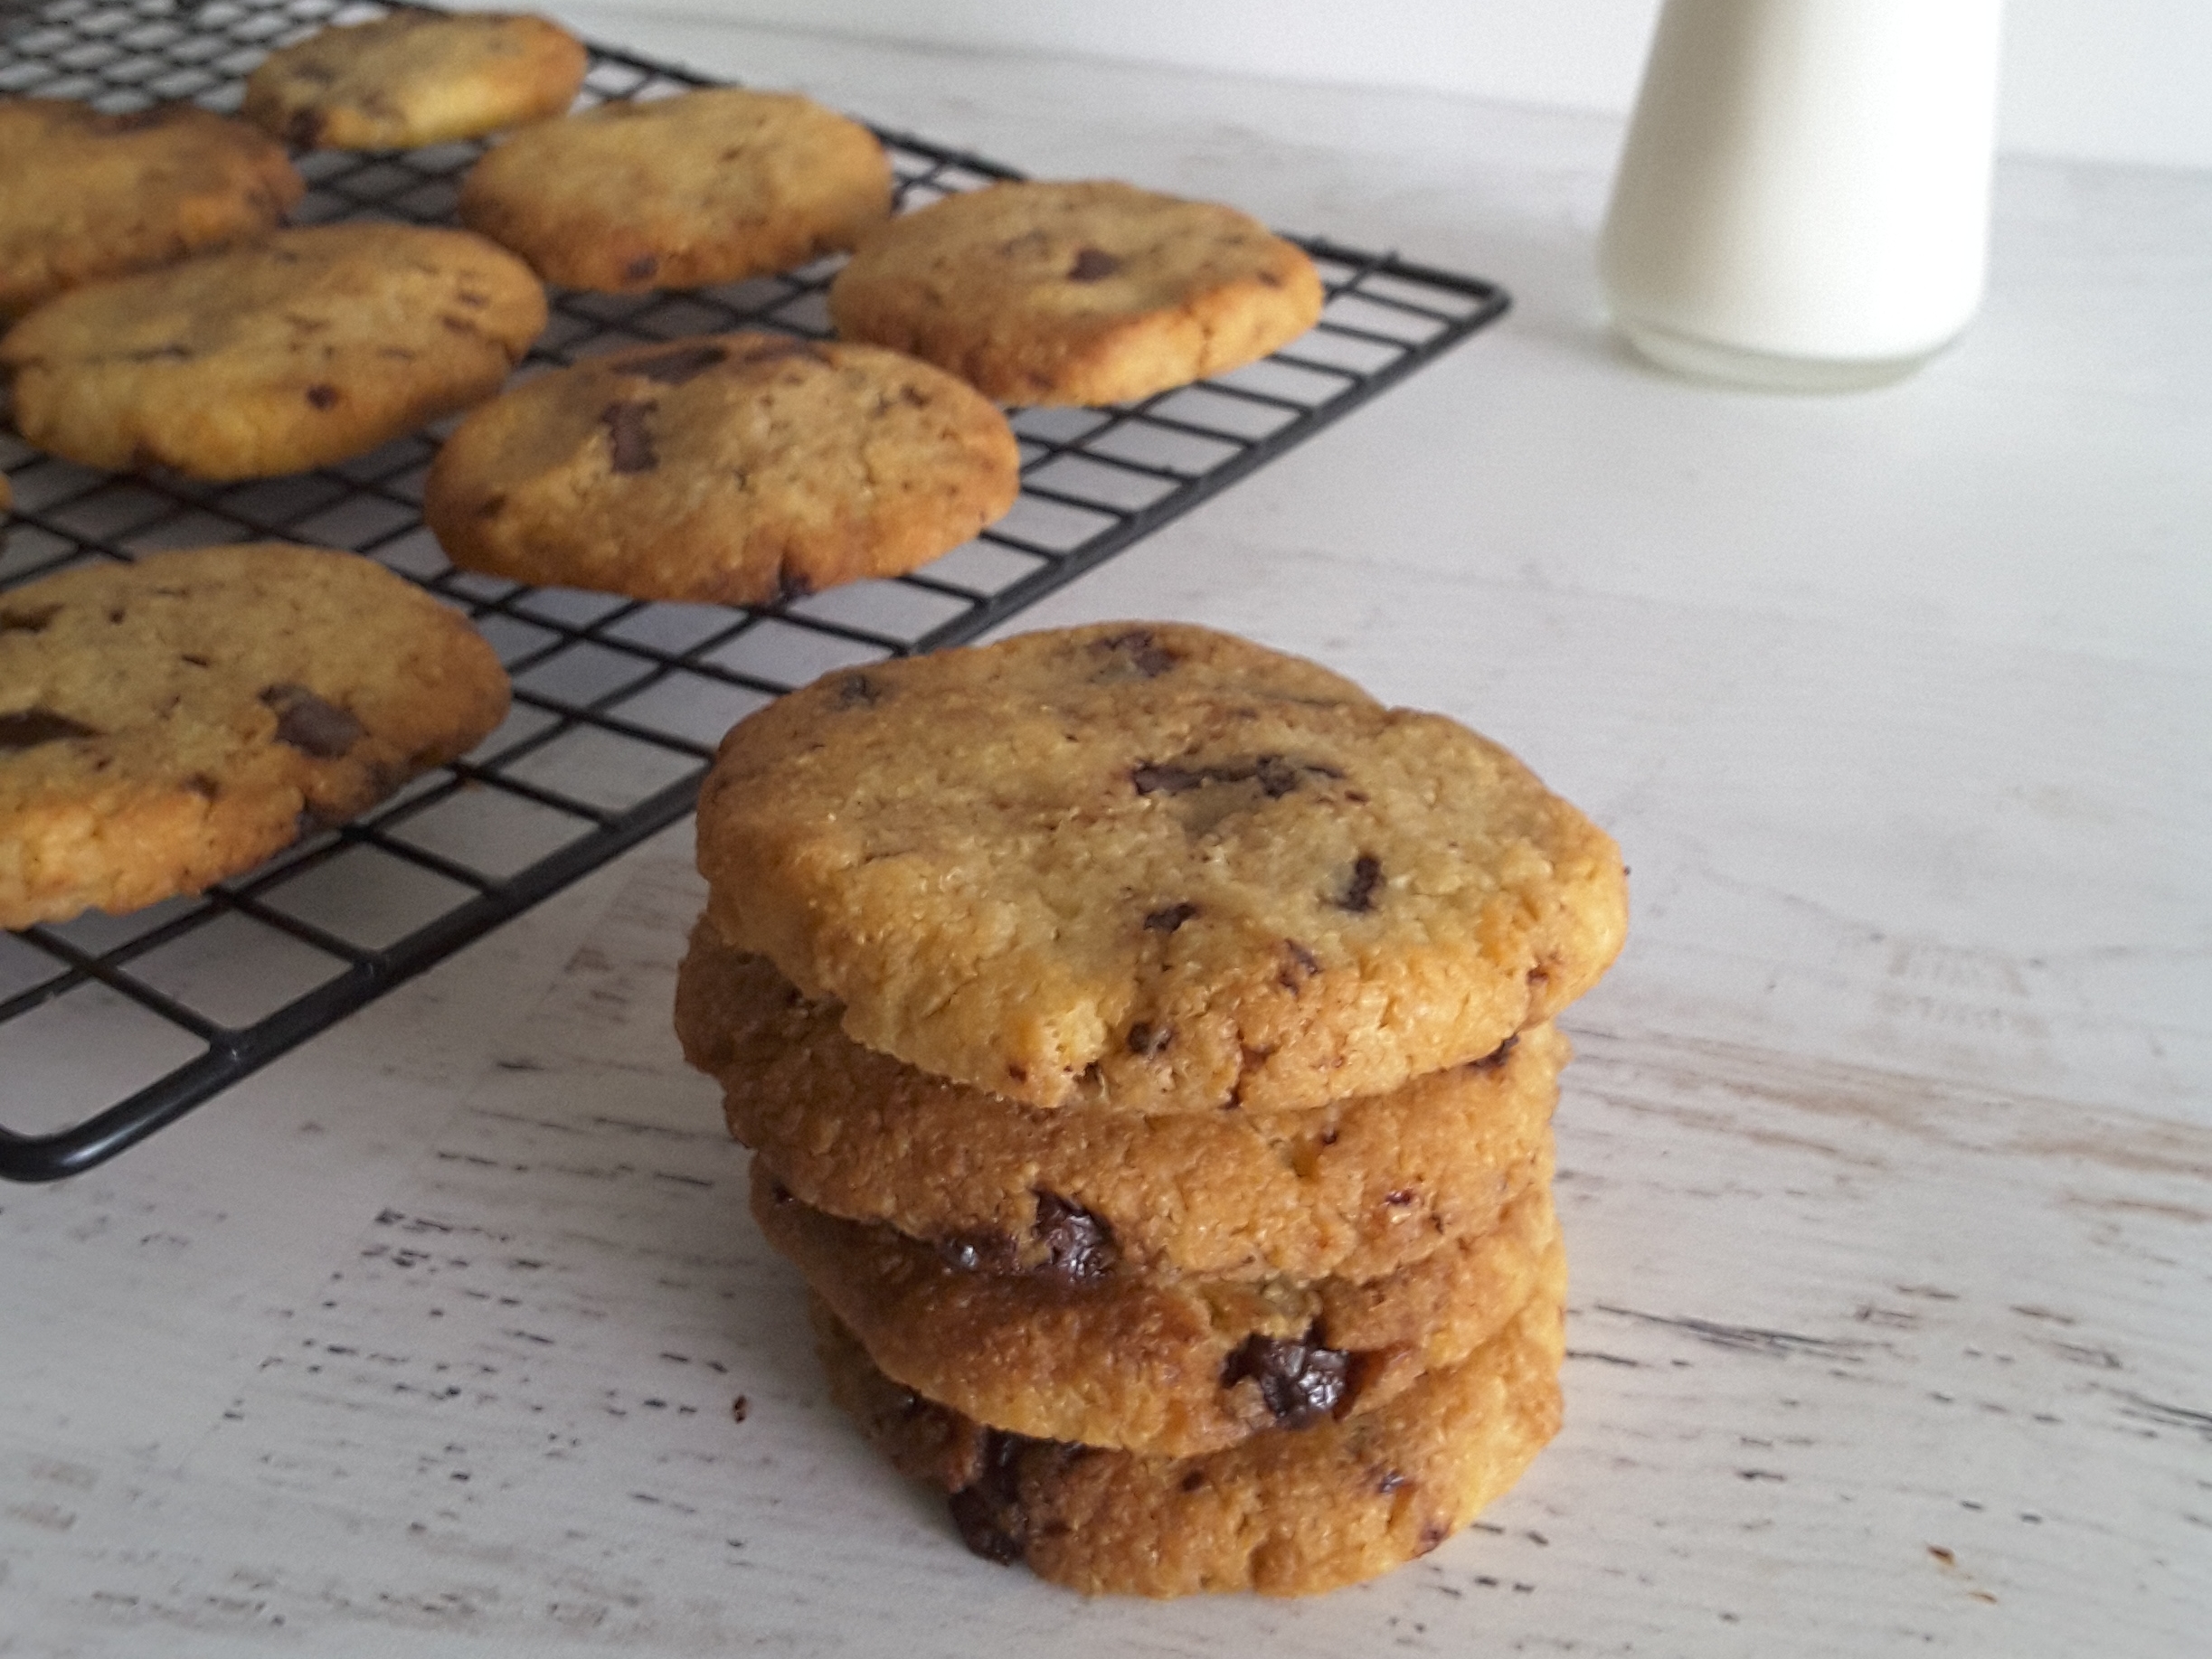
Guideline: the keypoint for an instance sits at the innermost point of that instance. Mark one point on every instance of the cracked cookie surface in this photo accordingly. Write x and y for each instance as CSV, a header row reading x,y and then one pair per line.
x,y
1283,1511
168,723
733,469
304,348
1151,868
413,79
1086,292
704,188
85,196
1078,1351
1354,1189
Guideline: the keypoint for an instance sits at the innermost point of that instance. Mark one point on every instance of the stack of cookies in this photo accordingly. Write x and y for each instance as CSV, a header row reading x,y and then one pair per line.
x,y
1145,1042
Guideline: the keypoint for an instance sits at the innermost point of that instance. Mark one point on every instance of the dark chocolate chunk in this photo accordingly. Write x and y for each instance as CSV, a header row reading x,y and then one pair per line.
x,y
29,728
1140,649
1092,264
674,368
1148,1040
988,1510
980,1251
856,691
1302,965
1152,779
1388,1482
305,129
323,396
1358,895
1497,1056
1079,1247
644,267
1168,918
27,621
791,584
1432,1534
1301,1381
310,724
629,439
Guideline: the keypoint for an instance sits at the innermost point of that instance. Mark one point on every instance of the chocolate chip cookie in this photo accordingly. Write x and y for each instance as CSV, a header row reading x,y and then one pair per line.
x,y
733,469
708,186
86,195
1355,1190
1092,292
1283,1511
415,78
168,723
1078,1351
1151,868
293,352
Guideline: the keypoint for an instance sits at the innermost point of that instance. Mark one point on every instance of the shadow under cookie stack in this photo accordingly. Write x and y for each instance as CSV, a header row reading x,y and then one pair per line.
x,y
1145,1042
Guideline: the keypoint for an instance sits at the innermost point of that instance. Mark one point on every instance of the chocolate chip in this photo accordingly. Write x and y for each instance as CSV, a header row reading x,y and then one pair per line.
x,y
29,728
1168,918
1388,1482
323,396
1358,895
629,439
27,621
1277,776
791,584
674,368
644,267
856,691
988,1510
1432,1534
1149,1040
1193,1482
1152,779
203,786
1399,1197
312,725
1092,264
980,1251
1303,965
305,129
1079,1247
1496,1057
1139,649
1301,1381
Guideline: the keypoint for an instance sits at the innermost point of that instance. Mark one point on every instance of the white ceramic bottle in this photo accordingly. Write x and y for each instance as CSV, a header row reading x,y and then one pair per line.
x,y
1804,202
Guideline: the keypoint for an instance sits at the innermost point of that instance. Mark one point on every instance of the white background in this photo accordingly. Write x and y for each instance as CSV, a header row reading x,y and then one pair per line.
x,y
2126,81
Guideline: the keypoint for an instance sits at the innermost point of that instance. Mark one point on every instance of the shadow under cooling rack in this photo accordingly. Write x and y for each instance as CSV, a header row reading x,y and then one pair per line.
x,y
111,1027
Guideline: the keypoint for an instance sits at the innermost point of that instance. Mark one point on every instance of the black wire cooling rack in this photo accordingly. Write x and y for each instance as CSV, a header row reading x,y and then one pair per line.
x,y
111,1027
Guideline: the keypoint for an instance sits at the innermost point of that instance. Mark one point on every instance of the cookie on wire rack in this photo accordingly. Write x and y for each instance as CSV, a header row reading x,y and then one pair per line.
x,y
734,470
707,186
168,723
1087,292
415,78
86,195
301,349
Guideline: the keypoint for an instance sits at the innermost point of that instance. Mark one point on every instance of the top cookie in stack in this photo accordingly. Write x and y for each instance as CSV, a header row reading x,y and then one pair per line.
x,y
1144,1039
1153,870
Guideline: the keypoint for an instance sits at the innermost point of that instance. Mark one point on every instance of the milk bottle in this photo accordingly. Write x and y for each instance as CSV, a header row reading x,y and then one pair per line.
x,y
1803,201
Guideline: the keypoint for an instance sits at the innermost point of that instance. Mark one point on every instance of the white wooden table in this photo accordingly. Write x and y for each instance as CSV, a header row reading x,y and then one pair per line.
x,y
1886,1164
